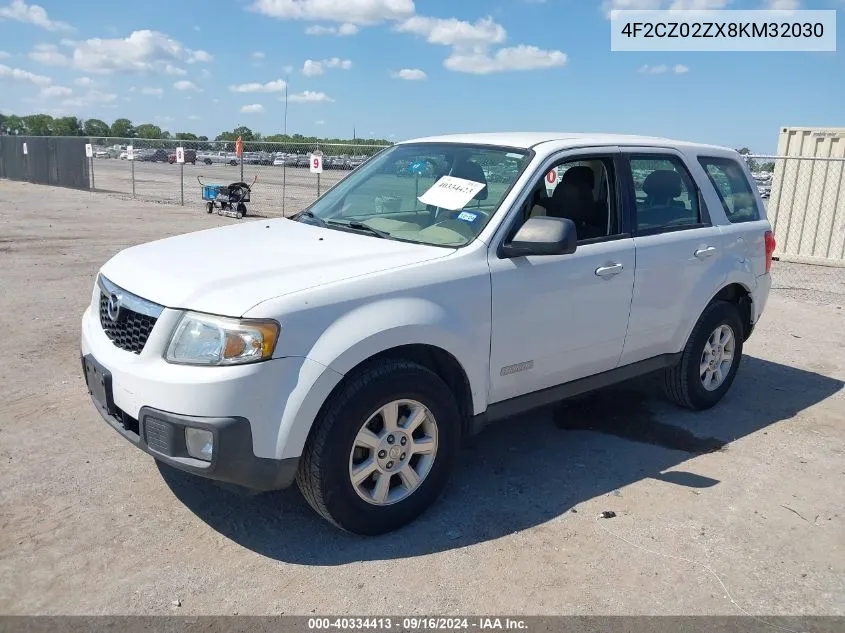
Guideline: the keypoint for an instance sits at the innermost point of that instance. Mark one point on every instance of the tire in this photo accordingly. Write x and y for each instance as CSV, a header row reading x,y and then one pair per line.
x,y
327,461
242,209
207,161
684,383
239,215
209,207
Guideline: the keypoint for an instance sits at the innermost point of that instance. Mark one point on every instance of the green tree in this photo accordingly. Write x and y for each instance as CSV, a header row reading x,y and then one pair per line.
x,y
186,136
95,127
745,152
166,135
67,126
147,130
38,125
122,128
15,125
769,167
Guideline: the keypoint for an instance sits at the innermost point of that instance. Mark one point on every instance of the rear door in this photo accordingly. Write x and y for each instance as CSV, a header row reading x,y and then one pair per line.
x,y
677,251
744,234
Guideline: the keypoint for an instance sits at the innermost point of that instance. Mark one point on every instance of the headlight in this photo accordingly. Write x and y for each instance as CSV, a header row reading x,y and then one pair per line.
x,y
203,339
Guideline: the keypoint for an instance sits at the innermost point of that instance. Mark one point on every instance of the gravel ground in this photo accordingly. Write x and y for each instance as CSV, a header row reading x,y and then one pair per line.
x,y
90,525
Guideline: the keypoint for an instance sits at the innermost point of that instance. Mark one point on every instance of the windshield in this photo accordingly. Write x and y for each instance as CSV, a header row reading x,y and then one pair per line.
x,y
441,194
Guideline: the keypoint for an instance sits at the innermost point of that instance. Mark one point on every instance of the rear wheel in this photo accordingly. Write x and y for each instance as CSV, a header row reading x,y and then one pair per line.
x,y
242,209
710,359
209,207
382,448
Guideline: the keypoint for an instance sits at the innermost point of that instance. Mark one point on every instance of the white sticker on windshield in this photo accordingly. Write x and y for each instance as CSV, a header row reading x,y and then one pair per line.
x,y
451,193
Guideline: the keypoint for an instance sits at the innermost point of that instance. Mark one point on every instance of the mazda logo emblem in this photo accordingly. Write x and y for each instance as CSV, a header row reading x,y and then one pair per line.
x,y
113,307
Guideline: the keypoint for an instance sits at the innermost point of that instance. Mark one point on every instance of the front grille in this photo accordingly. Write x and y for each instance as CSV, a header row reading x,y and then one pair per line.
x,y
131,329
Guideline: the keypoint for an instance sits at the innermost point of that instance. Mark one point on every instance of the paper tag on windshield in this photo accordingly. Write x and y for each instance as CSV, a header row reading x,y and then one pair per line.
x,y
451,193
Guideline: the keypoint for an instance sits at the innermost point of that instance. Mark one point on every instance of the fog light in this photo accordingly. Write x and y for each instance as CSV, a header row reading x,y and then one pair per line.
x,y
200,443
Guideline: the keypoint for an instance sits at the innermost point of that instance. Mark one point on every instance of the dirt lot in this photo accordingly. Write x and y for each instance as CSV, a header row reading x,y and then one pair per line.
x,y
90,525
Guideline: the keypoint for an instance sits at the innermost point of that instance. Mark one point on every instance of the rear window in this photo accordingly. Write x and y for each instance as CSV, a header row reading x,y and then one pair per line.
x,y
734,190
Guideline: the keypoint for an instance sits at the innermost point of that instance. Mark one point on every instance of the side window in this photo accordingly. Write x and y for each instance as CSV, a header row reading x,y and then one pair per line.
x,y
583,191
666,195
734,190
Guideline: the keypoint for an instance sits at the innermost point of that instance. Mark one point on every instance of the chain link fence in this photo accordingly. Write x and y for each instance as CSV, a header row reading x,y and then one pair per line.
x,y
805,203
804,196
283,182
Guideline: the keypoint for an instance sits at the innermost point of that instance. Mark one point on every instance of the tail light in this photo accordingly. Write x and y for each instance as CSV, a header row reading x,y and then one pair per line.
x,y
770,249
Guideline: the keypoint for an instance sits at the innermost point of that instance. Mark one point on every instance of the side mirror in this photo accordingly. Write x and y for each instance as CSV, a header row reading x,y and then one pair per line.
x,y
543,235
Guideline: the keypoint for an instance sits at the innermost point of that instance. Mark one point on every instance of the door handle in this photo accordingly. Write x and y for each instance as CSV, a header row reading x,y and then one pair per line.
x,y
606,272
704,253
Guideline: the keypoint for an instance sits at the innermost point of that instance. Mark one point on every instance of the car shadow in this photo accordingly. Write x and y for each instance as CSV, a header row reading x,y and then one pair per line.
x,y
527,470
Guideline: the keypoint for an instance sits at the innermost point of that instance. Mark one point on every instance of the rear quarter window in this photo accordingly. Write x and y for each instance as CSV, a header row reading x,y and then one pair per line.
x,y
732,186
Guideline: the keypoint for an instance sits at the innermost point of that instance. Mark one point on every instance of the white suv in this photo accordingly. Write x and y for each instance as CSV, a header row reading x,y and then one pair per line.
x,y
351,347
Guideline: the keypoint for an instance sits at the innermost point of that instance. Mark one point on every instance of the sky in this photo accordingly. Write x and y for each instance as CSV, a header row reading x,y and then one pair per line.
x,y
399,69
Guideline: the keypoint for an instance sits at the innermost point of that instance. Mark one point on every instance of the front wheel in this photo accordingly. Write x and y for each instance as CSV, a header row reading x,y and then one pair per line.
x,y
209,207
710,359
382,448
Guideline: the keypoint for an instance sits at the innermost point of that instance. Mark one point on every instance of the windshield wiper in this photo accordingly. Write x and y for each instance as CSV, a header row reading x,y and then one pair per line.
x,y
310,215
360,226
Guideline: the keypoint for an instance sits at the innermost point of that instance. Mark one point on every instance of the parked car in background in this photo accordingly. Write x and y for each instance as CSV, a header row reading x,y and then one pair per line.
x,y
218,158
190,157
152,155
356,161
102,152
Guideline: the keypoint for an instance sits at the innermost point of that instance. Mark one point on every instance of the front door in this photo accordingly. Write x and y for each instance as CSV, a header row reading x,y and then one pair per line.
x,y
563,317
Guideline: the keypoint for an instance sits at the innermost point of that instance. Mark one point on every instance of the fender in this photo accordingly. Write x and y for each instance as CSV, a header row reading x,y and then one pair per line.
x,y
376,327
740,274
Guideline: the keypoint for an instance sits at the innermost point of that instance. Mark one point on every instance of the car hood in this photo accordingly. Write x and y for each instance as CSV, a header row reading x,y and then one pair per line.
x,y
231,269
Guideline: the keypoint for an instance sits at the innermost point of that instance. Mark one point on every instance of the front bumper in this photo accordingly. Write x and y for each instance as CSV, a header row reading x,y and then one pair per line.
x,y
245,407
162,435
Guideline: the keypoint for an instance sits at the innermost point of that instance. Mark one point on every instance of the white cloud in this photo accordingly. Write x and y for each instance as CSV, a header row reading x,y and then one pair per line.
x,y
49,55
92,97
163,119
85,82
32,14
255,108
271,86
193,117
310,97
4,55
19,74
410,74
170,69
153,92
676,5
344,30
257,55
319,122
660,69
782,5
197,28
453,32
514,58
184,85
287,69
56,91
312,68
348,11
199,56
142,52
